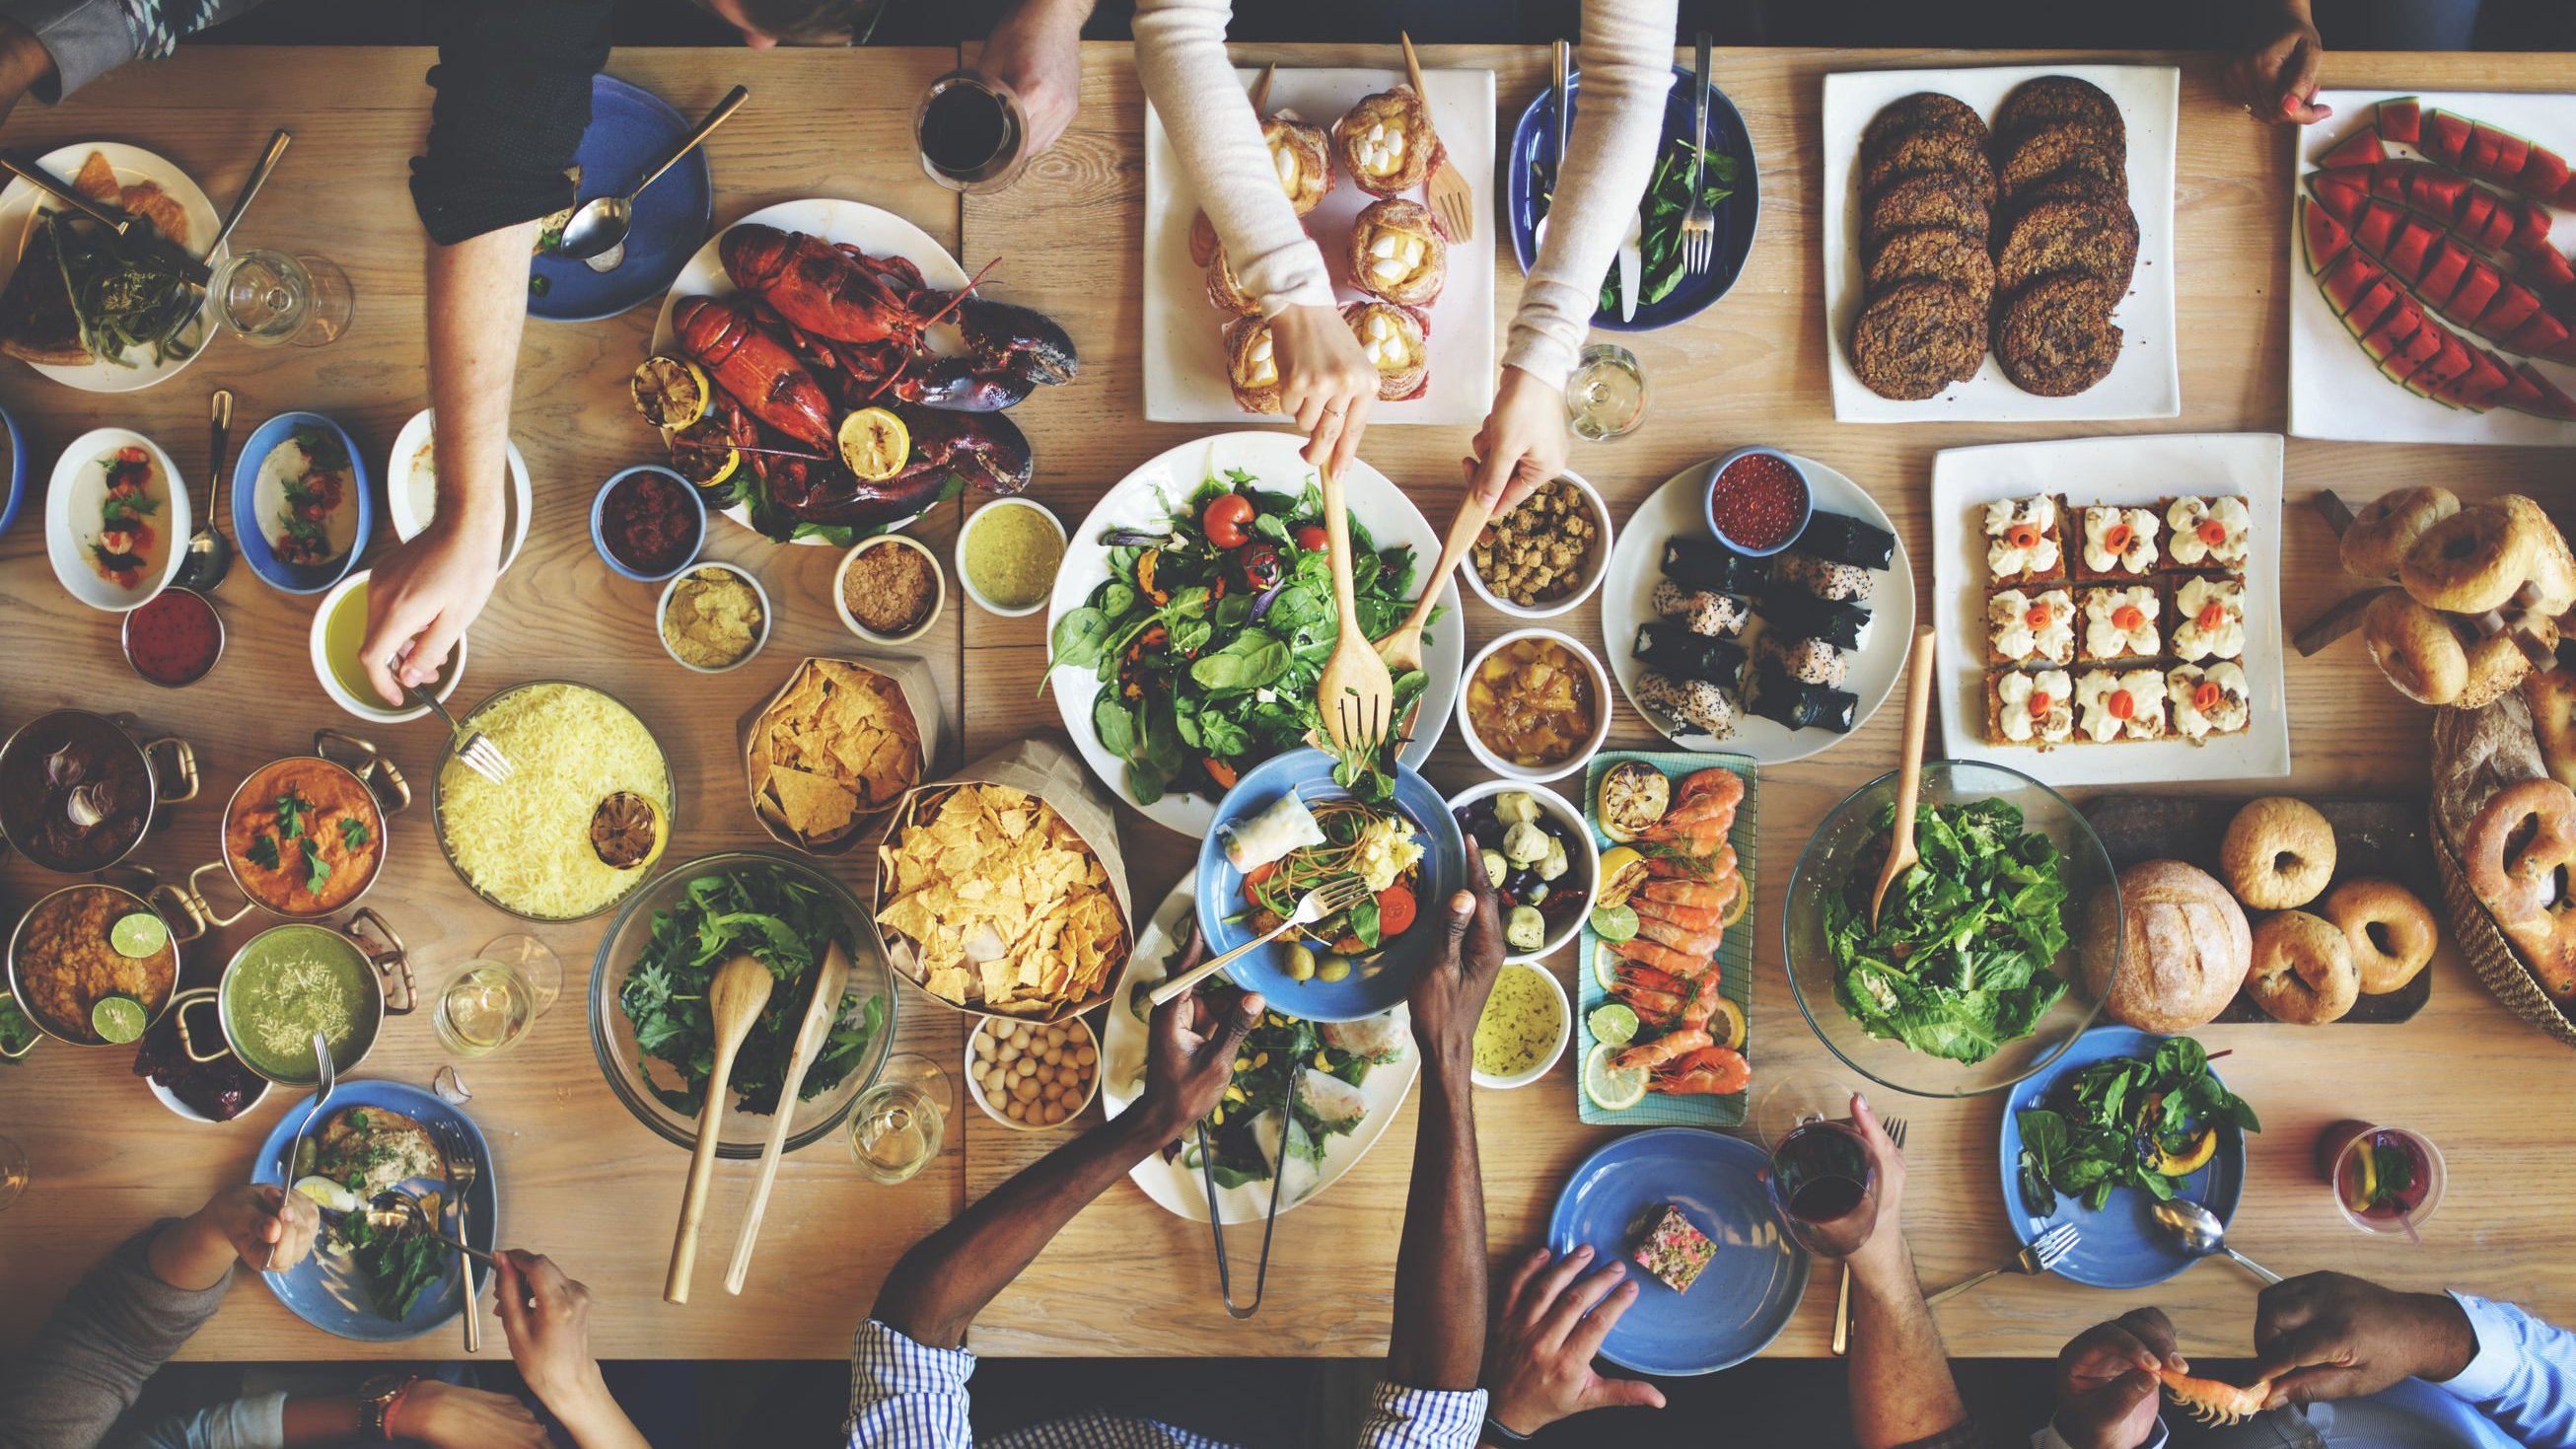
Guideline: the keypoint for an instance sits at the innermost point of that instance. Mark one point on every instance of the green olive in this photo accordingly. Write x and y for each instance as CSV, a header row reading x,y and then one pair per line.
x,y
1333,968
1301,962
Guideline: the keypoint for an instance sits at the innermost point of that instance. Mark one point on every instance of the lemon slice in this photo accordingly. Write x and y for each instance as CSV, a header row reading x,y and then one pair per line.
x,y
1735,912
1611,1089
1726,1026
703,453
875,444
118,1020
1605,968
2367,1190
671,392
1612,1025
335,1196
138,934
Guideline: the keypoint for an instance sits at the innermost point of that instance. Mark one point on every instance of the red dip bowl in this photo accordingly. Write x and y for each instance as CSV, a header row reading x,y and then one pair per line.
x,y
651,525
1758,502
174,637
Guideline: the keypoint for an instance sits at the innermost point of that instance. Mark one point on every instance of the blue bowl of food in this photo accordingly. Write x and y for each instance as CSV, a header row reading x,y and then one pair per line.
x,y
631,130
301,507
1669,294
14,496
1287,827
1758,501
648,523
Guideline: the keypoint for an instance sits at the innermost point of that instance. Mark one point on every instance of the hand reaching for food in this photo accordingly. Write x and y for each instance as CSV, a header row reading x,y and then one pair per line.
x,y
1326,382
2329,1336
1554,1319
2107,1380
1190,1062
422,598
2276,80
1448,992
1523,442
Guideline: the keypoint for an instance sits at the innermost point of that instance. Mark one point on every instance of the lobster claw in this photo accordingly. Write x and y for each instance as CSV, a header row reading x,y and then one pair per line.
x,y
957,383
987,450
1026,343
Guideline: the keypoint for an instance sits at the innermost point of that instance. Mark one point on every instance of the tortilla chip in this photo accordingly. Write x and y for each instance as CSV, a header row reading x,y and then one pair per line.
x,y
816,806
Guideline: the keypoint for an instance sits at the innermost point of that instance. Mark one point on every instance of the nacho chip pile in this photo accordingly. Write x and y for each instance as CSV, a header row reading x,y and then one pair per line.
x,y
1006,908
840,743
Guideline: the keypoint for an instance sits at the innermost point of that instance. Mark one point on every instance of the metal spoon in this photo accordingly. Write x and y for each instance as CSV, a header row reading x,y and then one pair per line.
x,y
602,221
2196,1230
210,554
326,1076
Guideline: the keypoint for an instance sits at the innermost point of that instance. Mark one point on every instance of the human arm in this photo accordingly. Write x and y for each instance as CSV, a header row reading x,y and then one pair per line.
x,y
1902,1391
76,41
2106,1384
2276,79
1539,1368
546,1316
1036,50
1627,67
2326,1336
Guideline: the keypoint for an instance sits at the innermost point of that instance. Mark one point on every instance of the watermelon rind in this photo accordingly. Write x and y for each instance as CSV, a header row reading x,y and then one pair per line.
x,y
2401,119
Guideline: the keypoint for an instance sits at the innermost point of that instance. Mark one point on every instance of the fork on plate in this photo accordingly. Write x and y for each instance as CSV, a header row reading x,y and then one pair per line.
x,y
1699,224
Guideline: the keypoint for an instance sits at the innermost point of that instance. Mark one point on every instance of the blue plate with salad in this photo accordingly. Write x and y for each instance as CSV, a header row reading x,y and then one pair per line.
x,y
631,130
1194,611
1732,183
1291,826
2121,1121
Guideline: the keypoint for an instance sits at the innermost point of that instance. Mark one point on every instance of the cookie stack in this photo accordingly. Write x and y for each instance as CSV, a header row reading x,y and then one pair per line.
x,y
2069,241
1927,197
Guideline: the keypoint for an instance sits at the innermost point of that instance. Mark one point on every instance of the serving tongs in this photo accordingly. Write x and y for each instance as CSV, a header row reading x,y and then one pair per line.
x,y
1269,1223
2344,616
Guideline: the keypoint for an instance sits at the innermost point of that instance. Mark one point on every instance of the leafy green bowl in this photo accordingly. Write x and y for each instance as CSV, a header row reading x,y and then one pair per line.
x,y
1844,854
654,1091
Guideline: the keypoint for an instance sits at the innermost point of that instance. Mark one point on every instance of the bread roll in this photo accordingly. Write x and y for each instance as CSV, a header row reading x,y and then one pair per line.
x,y
2178,940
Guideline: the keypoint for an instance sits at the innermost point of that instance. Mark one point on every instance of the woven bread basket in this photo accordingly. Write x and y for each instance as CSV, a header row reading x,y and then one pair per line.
x,y
2491,954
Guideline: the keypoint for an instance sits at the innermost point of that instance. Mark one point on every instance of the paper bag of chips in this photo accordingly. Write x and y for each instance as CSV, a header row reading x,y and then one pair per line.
x,y
1002,891
836,747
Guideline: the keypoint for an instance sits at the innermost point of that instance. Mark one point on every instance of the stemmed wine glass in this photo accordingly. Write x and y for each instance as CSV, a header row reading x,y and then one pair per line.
x,y
897,1124
1823,1182
268,297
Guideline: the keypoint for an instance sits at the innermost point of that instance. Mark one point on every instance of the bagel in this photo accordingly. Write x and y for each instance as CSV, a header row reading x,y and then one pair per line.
x,y
2547,944
2416,648
2388,525
2470,562
2497,662
2550,586
2475,753
2518,846
2551,695
2302,970
2390,931
2171,953
2278,854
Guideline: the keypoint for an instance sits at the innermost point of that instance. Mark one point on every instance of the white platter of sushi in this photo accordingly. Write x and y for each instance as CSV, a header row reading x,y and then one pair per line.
x,y
1776,658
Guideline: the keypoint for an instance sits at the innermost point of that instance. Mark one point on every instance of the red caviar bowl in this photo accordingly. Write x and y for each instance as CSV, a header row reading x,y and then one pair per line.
x,y
1764,507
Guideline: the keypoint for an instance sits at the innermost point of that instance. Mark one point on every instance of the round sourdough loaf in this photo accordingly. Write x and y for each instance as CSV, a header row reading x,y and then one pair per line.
x,y
2178,941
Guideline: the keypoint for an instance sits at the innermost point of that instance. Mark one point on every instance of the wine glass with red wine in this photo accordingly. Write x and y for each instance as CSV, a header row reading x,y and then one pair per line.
x,y
1823,1182
970,132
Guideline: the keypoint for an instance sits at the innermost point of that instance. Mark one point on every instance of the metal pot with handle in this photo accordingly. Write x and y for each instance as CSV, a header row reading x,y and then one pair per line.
x,y
78,791
277,989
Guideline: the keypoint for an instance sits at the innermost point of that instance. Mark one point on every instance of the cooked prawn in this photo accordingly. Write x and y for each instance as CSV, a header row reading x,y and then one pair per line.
x,y
1703,944
1700,837
1715,893
1670,1046
1713,788
1707,1071
1701,867
2215,1403
1661,957
1692,918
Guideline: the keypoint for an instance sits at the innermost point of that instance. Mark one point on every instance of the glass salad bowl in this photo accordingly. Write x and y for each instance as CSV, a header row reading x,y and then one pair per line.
x,y
1844,853
651,1088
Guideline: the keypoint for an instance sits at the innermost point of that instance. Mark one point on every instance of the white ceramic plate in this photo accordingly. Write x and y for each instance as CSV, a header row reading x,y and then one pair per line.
x,y
1181,1190
1627,600
874,230
411,489
19,205
72,500
1139,501
2127,470
2336,391
1185,378
2146,382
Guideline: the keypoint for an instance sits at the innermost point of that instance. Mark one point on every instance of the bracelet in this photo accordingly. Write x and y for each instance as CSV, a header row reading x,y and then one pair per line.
x,y
395,1403
1497,1433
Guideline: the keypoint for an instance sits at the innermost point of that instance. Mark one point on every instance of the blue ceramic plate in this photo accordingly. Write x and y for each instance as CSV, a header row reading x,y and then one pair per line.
x,y
1366,991
322,1290
251,530
1531,161
1744,1297
631,130
2121,1245
13,496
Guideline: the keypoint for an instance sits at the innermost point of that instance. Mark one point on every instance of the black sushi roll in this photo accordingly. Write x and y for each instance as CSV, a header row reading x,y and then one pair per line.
x,y
1840,538
1706,563
1682,654
1777,697
1803,616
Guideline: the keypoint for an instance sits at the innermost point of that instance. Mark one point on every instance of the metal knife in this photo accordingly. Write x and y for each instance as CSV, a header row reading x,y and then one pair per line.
x,y
107,214
1631,262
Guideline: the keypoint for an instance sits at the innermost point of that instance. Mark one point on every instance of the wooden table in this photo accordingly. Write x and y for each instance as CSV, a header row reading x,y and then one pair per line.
x,y
585,1182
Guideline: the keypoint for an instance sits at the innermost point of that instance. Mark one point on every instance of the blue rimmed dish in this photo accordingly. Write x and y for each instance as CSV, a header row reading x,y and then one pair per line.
x,y
631,130
1806,501
14,497
697,510
260,506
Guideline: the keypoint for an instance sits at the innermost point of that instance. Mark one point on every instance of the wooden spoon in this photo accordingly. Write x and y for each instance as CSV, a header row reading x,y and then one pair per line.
x,y
820,1014
1355,693
1402,650
1918,703
734,1002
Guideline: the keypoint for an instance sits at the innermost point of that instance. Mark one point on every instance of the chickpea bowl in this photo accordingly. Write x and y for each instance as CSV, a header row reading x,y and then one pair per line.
x,y
1032,1077
1545,556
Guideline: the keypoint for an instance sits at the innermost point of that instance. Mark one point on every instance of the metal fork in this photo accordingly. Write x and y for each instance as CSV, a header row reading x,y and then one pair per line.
x,y
1895,1127
1338,894
474,750
1699,224
2042,1256
461,1173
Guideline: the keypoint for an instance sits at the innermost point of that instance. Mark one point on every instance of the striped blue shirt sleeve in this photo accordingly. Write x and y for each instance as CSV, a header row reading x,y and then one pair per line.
x,y
907,1395
2524,1374
1403,1418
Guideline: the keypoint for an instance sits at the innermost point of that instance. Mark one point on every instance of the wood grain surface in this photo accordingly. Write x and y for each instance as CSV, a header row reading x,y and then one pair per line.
x,y
582,1180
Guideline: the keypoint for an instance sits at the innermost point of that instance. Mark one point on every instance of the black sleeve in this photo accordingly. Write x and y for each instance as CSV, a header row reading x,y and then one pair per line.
x,y
513,81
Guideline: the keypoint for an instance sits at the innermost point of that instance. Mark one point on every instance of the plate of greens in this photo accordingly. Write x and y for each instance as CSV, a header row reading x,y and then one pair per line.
x,y
1194,611
137,317
1731,181
1966,983
372,1136
648,1014
2121,1122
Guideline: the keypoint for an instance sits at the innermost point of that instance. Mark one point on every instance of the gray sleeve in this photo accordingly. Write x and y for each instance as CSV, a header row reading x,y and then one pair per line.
x,y
89,38
88,1363
258,1423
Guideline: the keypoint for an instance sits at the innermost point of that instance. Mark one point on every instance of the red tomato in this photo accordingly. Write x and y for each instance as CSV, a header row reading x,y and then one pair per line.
x,y
1394,912
1226,518
1313,539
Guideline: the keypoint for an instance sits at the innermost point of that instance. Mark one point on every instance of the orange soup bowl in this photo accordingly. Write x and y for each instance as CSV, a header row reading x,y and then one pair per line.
x,y
304,837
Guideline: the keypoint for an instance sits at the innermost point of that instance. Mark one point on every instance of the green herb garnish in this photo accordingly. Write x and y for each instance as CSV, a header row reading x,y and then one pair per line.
x,y
263,851
1667,201
2126,1122
290,814
316,869
353,833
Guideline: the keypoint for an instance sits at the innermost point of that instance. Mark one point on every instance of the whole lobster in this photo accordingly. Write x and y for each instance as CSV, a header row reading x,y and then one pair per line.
x,y
877,313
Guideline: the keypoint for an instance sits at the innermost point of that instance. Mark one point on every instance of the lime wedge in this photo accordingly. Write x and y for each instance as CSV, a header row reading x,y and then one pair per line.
x,y
1612,1025
1611,1089
1605,968
1615,923
138,935
118,1019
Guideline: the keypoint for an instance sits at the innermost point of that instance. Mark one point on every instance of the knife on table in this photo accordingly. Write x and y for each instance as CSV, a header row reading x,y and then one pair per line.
x,y
1631,262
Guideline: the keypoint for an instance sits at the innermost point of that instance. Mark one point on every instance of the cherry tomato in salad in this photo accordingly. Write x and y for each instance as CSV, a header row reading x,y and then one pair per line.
x,y
1261,566
1227,517
1313,539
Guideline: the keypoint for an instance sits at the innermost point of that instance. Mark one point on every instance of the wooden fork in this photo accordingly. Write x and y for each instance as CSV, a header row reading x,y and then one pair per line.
x,y
1452,199
1354,694
1402,650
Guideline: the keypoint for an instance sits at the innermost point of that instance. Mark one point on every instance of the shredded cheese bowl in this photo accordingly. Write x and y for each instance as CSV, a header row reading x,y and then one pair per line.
x,y
525,845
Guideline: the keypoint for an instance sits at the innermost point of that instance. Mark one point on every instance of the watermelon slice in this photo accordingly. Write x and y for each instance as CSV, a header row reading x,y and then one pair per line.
x,y
2442,274
2517,392
2435,192
2376,226
2341,196
2384,342
2552,403
2541,335
2530,228
2510,154
2478,387
2425,344
2325,237
2346,278
2373,305
2401,119
2445,136
2547,272
2513,305
2388,179
2566,196
2361,148
2412,248
2478,287
2477,209
2502,225
2483,159
2447,365
2543,172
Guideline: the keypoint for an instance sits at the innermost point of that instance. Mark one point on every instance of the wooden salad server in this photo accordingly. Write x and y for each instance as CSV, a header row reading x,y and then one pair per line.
x,y
1901,855
734,1002
1354,693
1402,650
820,1014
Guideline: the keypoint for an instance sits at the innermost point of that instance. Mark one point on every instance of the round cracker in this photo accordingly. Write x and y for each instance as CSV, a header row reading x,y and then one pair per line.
x,y
1915,338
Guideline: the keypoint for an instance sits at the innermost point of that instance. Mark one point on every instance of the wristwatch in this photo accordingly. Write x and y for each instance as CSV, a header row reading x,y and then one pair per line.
x,y
376,1400
1501,1436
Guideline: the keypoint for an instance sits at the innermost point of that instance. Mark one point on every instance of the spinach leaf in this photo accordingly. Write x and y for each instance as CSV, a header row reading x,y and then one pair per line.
x,y
1116,723
1079,638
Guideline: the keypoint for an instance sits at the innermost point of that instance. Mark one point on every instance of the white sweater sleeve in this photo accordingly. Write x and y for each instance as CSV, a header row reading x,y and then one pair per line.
x,y
1627,68
1180,57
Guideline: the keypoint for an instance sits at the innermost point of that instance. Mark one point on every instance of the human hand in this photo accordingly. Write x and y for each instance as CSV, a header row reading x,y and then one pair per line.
x,y
1036,51
1189,1061
546,1316
2333,1336
421,599
269,1227
1448,992
2276,81
1882,1254
1539,1365
444,1416
1325,382
2106,1380
1523,442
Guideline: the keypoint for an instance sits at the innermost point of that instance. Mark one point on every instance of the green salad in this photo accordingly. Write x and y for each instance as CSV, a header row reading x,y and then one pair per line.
x,y
1660,266
2142,1122
788,925
1212,630
1964,956
1326,1062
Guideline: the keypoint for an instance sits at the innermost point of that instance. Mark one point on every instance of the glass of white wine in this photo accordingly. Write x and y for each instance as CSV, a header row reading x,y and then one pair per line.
x,y
897,1124
1606,397
492,1000
267,297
